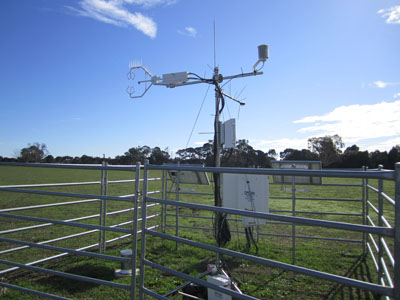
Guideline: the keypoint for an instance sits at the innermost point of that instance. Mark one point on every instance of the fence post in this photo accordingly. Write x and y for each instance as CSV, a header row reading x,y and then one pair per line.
x,y
163,197
397,234
293,214
101,212
380,224
143,236
177,208
105,190
364,217
134,231
166,198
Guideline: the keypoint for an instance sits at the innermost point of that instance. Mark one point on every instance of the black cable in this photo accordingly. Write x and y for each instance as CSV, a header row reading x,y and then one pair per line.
x,y
248,242
222,231
221,96
201,78
252,239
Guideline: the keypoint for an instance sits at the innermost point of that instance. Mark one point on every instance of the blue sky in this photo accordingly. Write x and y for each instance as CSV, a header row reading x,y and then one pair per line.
x,y
333,69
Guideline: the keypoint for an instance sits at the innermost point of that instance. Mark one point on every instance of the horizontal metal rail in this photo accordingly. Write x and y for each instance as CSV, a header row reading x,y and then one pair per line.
x,y
33,292
328,199
373,242
384,195
65,223
370,221
64,203
70,251
318,199
275,235
154,295
388,252
384,174
275,264
386,272
48,205
239,220
48,259
339,184
50,184
319,185
373,188
75,195
45,225
189,193
154,192
296,220
371,253
315,213
51,241
74,183
139,220
66,275
71,166
79,249
386,222
390,200
77,234
373,207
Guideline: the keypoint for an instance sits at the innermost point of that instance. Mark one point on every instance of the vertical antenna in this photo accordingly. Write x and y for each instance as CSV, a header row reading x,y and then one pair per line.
x,y
215,49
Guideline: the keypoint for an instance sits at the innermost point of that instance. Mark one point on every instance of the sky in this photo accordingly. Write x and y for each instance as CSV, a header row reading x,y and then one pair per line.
x,y
333,68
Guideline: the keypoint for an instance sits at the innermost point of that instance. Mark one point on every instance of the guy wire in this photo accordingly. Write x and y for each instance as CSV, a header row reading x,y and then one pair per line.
x,y
198,114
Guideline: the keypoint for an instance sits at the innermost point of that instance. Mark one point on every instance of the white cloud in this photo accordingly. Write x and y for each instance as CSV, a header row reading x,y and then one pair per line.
x,y
392,15
356,123
385,145
397,95
150,3
188,31
381,84
115,12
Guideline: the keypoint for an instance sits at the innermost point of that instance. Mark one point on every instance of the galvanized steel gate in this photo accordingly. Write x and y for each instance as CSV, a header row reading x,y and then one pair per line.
x,y
374,239
102,228
389,282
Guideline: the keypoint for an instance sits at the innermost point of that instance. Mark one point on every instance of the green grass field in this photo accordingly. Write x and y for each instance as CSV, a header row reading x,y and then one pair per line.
x,y
341,258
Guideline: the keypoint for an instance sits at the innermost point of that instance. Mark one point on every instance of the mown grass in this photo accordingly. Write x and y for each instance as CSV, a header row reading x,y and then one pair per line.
x,y
259,281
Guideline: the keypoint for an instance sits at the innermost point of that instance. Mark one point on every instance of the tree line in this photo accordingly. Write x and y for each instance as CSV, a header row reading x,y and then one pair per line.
x,y
330,150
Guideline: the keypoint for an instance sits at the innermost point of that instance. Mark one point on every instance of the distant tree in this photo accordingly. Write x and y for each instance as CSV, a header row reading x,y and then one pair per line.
x,y
272,153
354,158
286,153
243,155
207,154
190,155
293,154
33,153
64,159
328,149
136,154
377,158
49,159
393,156
158,156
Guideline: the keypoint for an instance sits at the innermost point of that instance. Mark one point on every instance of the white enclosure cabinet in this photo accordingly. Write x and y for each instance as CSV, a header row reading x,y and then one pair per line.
x,y
248,192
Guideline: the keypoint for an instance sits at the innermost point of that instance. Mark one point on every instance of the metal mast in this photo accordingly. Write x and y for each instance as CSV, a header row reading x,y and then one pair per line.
x,y
172,80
